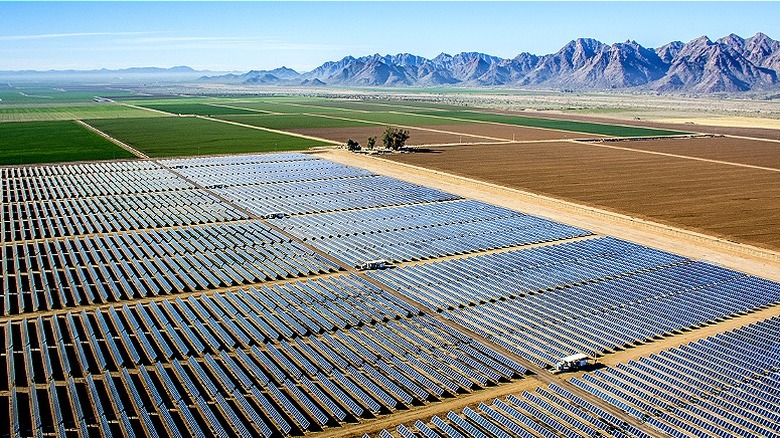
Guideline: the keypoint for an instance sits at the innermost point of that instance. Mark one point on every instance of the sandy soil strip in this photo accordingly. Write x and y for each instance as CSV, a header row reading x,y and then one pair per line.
x,y
745,258
116,141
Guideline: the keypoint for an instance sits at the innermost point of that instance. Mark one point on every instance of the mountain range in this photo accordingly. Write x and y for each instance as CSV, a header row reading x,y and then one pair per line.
x,y
701,66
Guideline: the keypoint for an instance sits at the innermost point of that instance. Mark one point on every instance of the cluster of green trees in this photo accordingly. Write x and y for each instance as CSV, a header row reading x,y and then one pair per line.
x,y
392,139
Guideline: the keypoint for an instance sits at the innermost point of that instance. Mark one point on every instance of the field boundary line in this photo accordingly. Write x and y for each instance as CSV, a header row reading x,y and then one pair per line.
x,y
307,105
114,140
130,105
275,131
742,137
440,131
405,113
402,113
487,122
558,205
666,154
254,110
622,125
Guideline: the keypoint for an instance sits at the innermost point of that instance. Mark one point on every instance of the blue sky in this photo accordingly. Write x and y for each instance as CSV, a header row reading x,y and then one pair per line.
x,y
302,35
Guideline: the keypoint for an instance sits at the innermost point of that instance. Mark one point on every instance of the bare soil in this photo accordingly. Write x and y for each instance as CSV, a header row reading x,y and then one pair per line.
x,y
766,133
732,202
733,150
517,133
416,136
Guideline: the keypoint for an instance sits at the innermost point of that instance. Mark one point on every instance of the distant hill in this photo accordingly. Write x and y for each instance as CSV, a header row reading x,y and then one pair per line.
x,y
178,73
702,66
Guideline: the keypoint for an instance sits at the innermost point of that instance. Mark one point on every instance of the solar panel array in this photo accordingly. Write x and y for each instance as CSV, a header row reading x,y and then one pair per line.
x,y
148,298
288,357
277,359
591,296
62,273
724,385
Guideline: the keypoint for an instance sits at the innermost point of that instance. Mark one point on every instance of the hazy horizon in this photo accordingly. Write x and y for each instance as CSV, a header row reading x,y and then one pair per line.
x,y
302,35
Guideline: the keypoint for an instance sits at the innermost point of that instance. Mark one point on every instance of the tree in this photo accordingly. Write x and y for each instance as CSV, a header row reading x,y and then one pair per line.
x,y
399,139
394,138
352,145
371,143
387,137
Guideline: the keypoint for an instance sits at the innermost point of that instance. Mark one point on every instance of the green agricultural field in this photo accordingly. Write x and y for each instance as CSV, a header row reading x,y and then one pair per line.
x,y
405,118
560,125
201,109
51,142
293,121
182,136
54,95
284,107
381,105
30,113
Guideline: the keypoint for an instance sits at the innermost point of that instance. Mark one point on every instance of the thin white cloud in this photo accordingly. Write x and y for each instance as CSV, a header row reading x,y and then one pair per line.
x,y
68,35
255,43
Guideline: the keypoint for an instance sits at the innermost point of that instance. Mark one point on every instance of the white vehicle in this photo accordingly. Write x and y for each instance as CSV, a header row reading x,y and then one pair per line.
x,y
373,264
573,362
275,215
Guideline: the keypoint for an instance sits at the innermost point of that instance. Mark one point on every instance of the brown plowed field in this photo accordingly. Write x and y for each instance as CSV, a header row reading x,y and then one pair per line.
x,y
737,203
361,134
733,150
506,132
771,134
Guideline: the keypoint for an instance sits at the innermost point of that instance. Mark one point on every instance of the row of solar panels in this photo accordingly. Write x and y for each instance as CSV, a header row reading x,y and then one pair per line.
x,y
724,384
232,160
330,195
479,279
209,323
204,364
635,323
75,169
90,184
268,173
58,274
78,216
395,218
548,412
413,233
